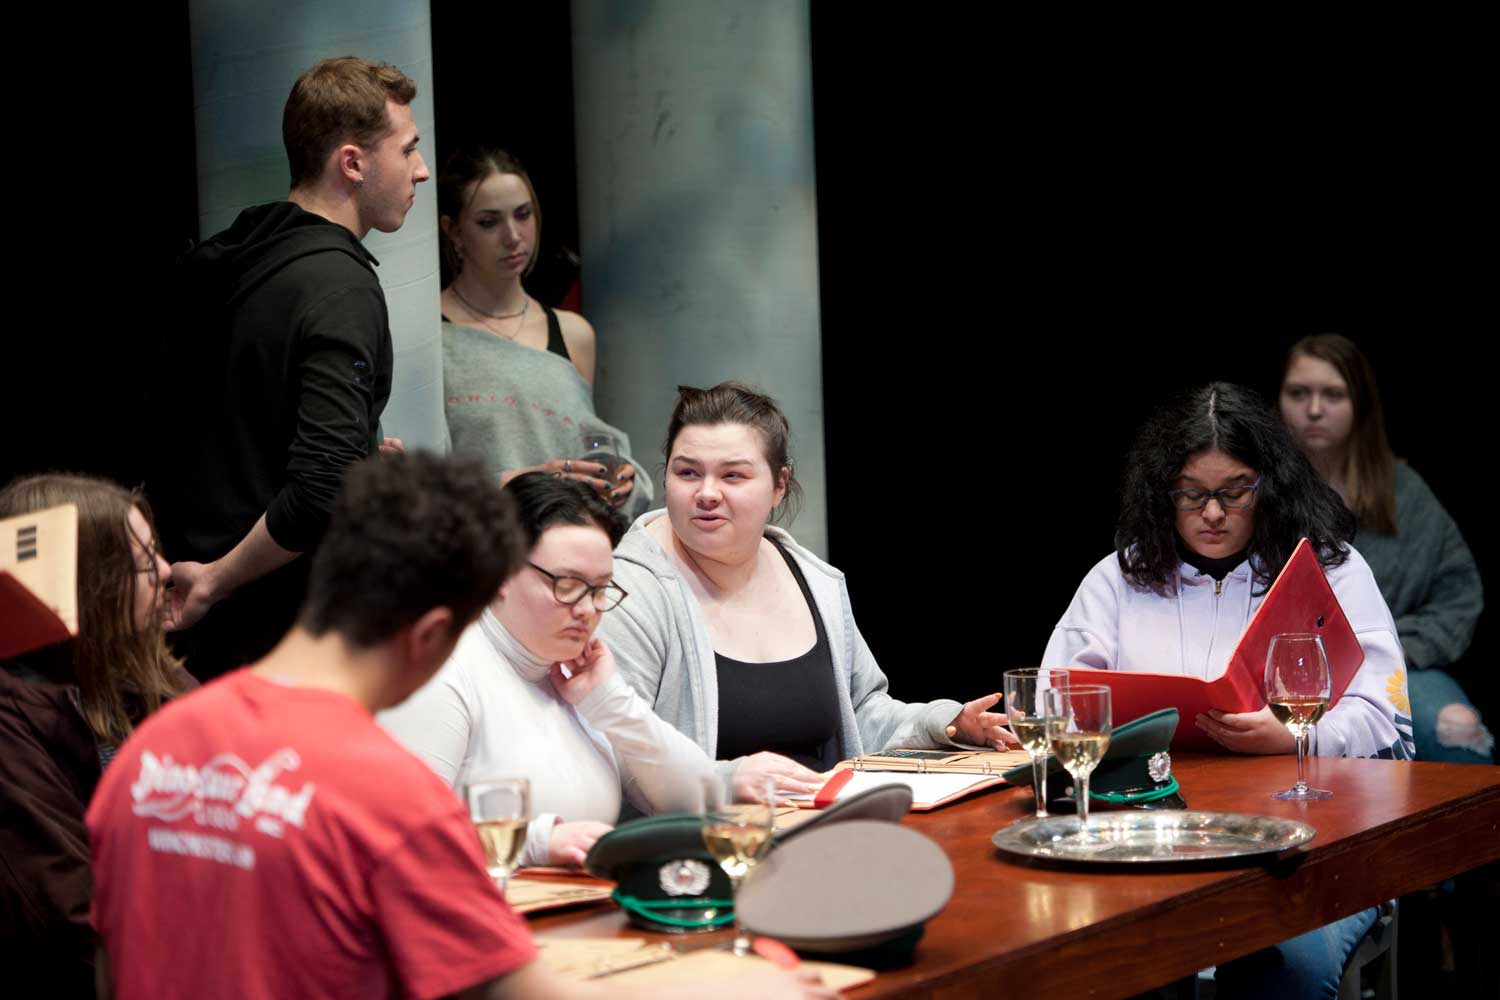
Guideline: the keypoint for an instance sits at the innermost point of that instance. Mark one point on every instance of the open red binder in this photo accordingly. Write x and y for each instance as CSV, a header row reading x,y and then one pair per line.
x,y
1299,601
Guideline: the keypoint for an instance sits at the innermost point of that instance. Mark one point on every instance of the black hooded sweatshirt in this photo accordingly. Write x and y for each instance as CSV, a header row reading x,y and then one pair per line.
x,y
279,366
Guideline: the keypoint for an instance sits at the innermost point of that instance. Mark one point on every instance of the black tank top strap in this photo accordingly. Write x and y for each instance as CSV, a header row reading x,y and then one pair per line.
x,y
555,342
812,605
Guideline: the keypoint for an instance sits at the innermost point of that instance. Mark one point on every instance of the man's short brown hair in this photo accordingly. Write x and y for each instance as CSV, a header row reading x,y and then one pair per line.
x,y
339,100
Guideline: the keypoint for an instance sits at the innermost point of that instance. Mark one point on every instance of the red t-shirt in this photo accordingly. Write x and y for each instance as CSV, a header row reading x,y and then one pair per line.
x,y
259,840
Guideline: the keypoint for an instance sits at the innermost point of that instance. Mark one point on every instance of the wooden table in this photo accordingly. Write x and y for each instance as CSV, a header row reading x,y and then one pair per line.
x,y
1392,827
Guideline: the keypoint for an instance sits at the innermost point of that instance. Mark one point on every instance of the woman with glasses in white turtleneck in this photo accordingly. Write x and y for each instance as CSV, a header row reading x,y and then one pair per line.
x,y
503,706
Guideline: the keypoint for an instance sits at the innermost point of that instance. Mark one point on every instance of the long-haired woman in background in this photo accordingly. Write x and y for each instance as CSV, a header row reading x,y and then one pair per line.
x,y
63,712
518,376
1426,573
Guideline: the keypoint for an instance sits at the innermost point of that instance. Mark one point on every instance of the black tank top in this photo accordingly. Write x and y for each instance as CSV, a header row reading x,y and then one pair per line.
x,y
790,707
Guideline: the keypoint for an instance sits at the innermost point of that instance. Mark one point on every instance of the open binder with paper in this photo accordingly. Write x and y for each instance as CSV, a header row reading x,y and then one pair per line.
x,y
1299,601
38,579
935,777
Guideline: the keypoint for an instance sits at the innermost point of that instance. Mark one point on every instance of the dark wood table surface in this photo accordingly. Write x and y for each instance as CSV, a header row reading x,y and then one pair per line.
x,y
1392,827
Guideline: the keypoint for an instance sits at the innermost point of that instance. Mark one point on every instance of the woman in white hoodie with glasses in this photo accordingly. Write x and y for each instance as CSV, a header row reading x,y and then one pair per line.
x,y
1215,498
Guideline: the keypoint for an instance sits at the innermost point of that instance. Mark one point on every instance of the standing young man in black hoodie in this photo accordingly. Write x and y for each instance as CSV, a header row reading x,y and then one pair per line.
x,y
280,364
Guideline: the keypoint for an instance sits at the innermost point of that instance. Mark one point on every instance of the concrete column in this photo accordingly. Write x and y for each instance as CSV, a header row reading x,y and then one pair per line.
x,y
245,59
697,213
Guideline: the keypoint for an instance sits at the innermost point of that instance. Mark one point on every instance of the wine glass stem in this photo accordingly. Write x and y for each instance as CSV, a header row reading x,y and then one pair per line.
x,y
741,939
1301,755
1083,802
1039,781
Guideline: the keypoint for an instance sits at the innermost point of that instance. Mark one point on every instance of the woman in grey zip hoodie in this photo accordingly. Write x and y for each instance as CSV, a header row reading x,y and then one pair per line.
x,y
722,603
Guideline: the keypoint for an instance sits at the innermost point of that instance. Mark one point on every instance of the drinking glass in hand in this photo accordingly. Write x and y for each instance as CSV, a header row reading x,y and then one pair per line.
x,y
1078,730
1297,689
1028,723
738,835
500,809
600,446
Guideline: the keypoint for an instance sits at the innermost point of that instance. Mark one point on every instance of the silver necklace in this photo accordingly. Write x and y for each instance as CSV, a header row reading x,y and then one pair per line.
x,y
484,315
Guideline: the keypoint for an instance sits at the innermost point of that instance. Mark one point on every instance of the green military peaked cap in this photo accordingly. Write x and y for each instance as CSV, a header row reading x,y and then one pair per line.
x,y
667,881
1136,770
665,878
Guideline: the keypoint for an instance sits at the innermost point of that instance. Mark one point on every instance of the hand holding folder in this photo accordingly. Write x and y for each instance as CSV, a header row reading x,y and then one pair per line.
x,y
1299,601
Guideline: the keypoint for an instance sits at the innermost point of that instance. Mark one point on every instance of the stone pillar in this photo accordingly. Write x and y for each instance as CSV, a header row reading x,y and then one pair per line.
x,y
245,59
697,213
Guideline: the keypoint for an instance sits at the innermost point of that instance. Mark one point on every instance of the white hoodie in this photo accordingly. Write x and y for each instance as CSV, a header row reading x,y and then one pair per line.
x,y
1113,625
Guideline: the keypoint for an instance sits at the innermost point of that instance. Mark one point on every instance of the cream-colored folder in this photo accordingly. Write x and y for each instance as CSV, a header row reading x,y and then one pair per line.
x,y
38,579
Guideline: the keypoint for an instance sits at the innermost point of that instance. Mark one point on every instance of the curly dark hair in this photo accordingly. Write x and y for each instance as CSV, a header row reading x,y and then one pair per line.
x,y
410,533
1293,501
544,500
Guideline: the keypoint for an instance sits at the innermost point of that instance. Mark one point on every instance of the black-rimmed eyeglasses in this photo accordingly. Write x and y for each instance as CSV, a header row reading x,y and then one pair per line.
x,y
571,590
1230,497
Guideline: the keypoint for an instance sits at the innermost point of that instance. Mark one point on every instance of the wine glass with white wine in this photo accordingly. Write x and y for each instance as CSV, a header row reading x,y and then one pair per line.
x,y
1297,689
738,835
1023,710
500,809
1078,731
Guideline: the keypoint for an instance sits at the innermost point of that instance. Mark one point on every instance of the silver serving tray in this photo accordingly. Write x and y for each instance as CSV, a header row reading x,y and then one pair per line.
x,y
1134,836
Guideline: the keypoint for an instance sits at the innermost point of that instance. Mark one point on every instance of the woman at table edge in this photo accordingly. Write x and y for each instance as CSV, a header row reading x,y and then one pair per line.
x,y
1215,498
503,706
1185,580
737,635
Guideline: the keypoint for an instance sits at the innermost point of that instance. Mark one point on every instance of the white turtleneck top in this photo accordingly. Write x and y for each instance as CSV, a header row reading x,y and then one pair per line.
x,y
491,712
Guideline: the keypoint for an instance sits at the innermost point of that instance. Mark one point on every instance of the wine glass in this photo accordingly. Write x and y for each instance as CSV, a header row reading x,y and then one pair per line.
x,y
1297,689
1023,707
738,835
1078,730
500,809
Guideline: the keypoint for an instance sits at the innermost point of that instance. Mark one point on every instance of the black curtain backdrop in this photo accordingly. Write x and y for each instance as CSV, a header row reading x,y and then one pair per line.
x,y
1028,241
103,198
503,77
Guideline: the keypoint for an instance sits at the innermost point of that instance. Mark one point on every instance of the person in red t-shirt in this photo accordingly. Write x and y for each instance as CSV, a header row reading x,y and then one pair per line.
x,y
265,838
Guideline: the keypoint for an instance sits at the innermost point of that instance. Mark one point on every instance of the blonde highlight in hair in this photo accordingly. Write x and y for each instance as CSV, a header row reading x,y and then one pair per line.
x,y
110,656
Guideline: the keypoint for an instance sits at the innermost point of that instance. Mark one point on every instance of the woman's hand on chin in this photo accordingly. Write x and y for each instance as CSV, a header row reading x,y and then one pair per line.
x,y
791,777
571,842
592,667
1248,732
977,726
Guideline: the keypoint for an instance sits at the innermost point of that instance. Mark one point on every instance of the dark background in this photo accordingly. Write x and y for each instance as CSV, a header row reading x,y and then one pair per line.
x,y
1029,236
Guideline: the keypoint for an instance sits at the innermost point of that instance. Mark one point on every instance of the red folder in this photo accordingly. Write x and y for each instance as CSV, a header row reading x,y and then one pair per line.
x,y
29,622
1299,601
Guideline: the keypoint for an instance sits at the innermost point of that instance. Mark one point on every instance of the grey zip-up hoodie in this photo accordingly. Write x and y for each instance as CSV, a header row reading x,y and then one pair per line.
x,y
662,647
